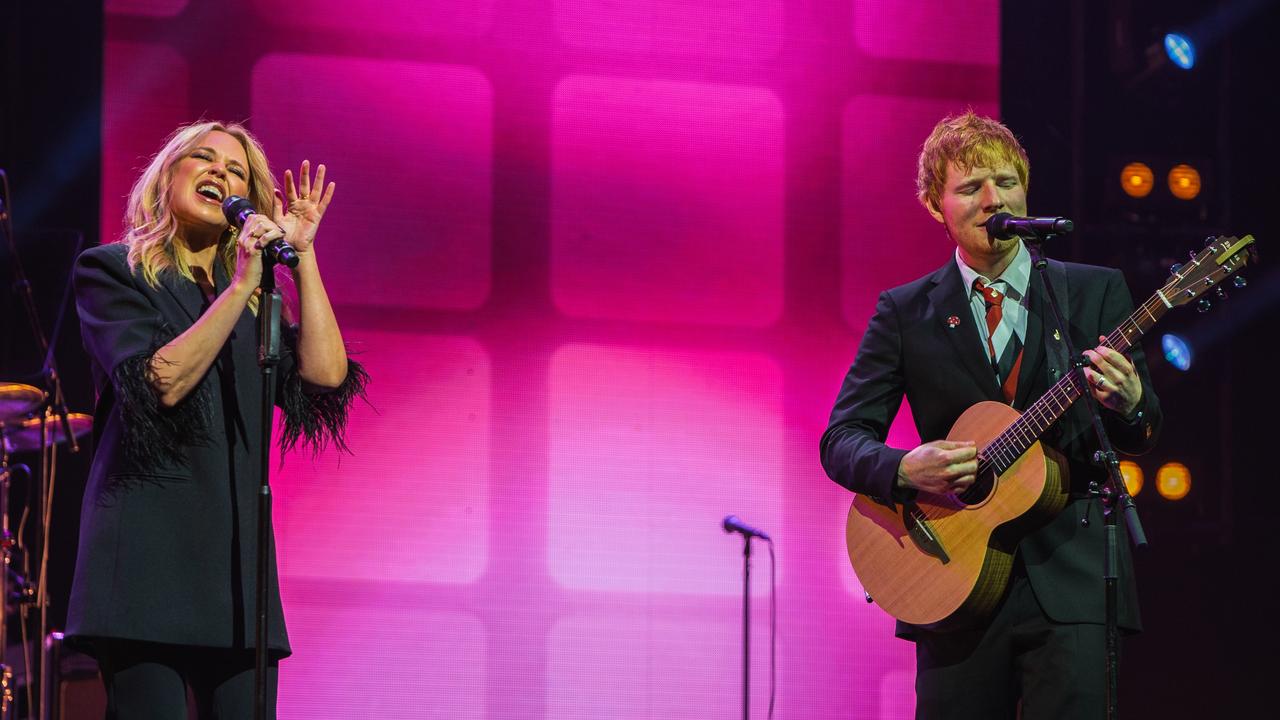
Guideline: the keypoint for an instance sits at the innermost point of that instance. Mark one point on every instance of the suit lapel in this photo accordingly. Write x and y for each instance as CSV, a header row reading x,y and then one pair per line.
x,y
184,292
950,302
1039,317
1033,343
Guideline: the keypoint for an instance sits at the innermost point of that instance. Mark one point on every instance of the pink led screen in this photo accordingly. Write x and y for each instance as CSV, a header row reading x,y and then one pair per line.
x,y
607,264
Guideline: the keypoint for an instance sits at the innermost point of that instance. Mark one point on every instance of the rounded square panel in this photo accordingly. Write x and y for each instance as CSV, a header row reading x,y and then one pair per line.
x,y
650,449
667,201
411,503
410,146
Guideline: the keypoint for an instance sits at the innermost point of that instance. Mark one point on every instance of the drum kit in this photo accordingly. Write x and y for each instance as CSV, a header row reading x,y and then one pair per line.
x,y
21,431
27,424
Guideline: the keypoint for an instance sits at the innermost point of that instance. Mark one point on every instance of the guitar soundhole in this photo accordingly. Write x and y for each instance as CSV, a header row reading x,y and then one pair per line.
x,y
980,490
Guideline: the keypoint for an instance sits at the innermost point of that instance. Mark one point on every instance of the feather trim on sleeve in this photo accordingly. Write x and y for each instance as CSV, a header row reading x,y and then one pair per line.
x,y
154,435
320,419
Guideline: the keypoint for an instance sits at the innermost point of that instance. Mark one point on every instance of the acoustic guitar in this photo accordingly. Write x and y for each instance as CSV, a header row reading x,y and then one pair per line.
x,y
944,560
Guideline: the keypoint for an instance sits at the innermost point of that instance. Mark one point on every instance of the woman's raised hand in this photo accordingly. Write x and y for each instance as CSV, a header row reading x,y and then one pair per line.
x,y
299,210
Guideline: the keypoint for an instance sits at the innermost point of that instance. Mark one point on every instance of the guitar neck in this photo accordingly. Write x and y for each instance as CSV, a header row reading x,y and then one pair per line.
x,y
1006,448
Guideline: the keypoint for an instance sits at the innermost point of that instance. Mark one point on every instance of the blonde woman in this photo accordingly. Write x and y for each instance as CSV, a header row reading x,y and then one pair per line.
x,y
164,587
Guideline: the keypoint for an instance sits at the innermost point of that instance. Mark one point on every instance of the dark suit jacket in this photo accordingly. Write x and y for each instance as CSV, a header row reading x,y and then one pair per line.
x,y
167,548
910,349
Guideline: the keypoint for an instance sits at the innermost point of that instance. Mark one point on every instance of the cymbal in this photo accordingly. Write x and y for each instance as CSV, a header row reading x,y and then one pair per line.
x,y
18,400
24,436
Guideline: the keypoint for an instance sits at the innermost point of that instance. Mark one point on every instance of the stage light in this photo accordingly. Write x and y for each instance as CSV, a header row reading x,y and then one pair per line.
x,y
1137,180
1184,182
1173,481
1132,475
1180,50
1176,351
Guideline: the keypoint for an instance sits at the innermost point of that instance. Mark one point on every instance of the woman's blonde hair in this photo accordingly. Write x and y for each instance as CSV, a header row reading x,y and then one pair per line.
x,y
150,224
969,140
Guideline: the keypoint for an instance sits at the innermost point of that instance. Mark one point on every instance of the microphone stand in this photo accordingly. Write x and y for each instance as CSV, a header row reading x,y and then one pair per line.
x,y
269,302
746,626
1114,496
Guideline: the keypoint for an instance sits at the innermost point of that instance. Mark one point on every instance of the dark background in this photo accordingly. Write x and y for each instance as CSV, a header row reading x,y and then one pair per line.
x,y
50,114
1077,88
1074,86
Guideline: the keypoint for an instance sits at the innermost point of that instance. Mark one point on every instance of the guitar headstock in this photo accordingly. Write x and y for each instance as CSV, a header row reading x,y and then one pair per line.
x,y
1219,260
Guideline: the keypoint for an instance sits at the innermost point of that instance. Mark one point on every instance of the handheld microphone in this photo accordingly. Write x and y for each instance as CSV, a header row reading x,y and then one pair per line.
x,y
732,524
237,210
1003,226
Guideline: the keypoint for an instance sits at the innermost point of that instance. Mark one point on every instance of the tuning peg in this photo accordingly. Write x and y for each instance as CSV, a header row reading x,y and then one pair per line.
x,y
1222,294
1210,240
1192,254
1203,305
1239,281
1174,268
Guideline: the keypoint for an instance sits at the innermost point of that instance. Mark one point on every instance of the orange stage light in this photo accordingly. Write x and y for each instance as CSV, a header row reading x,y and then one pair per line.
x,y
1132,475
1173,481
1184,182
1137,180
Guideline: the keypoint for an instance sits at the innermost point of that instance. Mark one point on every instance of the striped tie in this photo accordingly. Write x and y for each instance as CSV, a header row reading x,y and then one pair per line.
x,y
1003,346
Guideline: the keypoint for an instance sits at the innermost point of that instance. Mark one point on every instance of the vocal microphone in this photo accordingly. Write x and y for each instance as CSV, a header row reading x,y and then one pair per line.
x,y
733,524
1003,226
237,210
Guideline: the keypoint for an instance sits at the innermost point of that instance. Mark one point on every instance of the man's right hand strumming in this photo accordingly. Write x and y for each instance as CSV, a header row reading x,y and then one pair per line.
x,y
939,467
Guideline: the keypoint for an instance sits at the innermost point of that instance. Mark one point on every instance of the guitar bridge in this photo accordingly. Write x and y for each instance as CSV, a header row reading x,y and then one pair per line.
x,y
921,534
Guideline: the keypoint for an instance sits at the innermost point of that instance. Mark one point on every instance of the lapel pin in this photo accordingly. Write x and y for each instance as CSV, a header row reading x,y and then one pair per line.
x,y
1057,336
953,322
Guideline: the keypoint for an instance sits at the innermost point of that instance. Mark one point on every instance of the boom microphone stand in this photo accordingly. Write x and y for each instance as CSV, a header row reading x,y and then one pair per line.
x,y
1114,495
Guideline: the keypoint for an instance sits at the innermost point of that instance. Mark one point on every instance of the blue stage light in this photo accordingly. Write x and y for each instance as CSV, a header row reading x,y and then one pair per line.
x,y
1180,50
1176,351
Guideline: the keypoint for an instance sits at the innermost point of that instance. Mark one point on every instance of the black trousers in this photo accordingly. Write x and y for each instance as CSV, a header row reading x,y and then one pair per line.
x,y
1022,665
150,681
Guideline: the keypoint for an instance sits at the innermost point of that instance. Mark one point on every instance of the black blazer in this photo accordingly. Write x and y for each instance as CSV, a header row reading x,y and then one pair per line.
x,y
167,549
910,349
